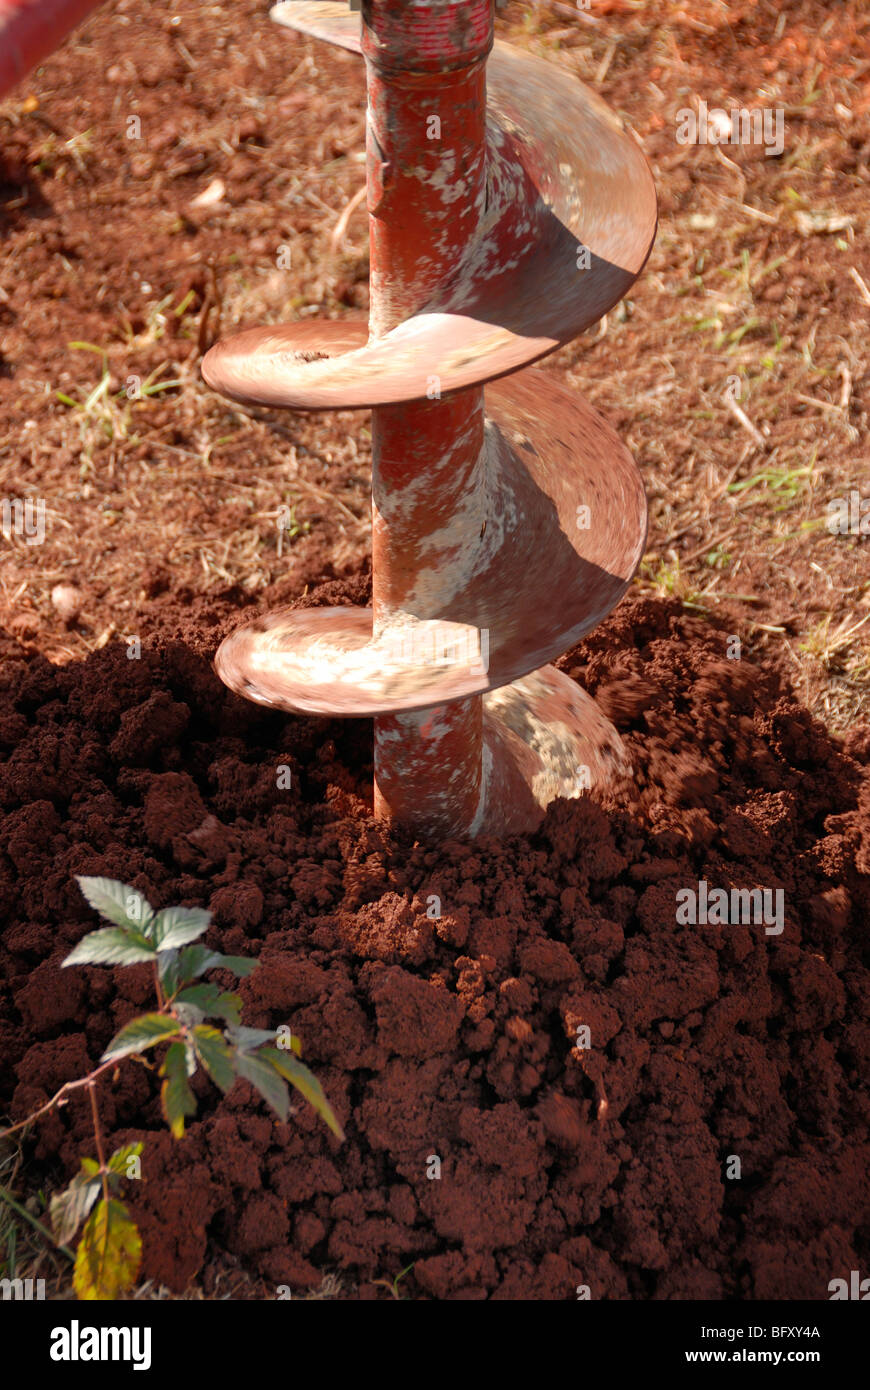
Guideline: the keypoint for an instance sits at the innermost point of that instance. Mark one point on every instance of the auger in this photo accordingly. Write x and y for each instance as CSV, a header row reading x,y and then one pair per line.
x,y
508,212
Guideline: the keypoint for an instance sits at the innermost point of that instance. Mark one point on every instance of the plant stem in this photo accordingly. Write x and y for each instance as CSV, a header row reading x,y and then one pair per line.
x,y
98,1136
58,1096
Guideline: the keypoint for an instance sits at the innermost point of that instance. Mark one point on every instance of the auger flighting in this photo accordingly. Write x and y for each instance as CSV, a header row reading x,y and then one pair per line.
x,y
508,212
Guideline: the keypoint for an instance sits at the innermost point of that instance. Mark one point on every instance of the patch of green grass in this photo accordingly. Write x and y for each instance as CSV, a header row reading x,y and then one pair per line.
x,y
668,580
104,415
781,485
718,559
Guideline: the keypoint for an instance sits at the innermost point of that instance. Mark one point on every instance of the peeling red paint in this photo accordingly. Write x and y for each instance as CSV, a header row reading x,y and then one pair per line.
x,y
479,204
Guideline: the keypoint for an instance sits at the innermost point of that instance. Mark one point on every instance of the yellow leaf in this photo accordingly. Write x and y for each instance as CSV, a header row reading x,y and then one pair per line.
x,y
109,1252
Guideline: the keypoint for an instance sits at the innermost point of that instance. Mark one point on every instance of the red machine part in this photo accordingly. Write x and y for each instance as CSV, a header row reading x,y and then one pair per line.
x,y
31,29
508,212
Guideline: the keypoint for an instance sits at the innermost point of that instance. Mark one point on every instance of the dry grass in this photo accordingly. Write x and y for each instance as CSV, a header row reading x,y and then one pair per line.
x,y
26,1251
736,369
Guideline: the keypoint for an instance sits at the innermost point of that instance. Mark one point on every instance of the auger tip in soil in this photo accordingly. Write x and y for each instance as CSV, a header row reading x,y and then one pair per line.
x,y
508,212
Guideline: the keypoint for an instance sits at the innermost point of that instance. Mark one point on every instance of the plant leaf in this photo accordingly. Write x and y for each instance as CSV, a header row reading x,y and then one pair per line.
x,y
109,1252
266,1080
140,1034
188,1016
118,1162
69,1208
168,971
117,902
176,926
294,1044
212,1001
178,968
177,1097
247,1039
305,1082
238,965
215,1054
111,946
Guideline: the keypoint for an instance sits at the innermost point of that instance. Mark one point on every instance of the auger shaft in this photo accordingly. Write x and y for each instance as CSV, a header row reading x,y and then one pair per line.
x,y
426,168
508,212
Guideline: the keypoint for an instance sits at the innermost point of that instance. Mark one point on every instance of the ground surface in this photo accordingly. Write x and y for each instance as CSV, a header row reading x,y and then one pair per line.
x,y
454,1037
760,272
451,1037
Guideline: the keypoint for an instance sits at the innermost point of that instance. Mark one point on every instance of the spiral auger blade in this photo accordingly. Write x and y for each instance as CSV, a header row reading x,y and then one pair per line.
x,y
508,212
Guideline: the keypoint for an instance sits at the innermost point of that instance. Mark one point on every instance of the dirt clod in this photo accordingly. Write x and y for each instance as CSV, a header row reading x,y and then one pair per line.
x,y
541,1088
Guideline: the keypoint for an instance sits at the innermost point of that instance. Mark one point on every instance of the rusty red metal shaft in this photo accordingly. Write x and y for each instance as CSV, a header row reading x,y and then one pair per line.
x,y
508,211
426,166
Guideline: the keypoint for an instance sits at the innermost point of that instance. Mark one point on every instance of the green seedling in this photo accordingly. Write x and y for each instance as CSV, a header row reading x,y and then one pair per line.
x,y
392,1285
196,1024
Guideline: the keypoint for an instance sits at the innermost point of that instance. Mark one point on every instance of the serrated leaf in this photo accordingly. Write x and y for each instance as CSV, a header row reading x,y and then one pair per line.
x,y
69,1208
175,1093
118,1162
109,1252
188,1016
140,1034
179,968
238,965
111,946
216,1055
176,926
248,1039
266,1080
168,972
212,1002
305,1082
117,902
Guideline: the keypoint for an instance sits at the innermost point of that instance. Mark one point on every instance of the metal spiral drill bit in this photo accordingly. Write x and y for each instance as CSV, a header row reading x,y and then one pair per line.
x,y
508,212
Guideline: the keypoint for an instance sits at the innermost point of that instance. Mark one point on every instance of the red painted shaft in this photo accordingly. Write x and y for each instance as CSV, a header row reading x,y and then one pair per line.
x,y
426,143
484,571
31,29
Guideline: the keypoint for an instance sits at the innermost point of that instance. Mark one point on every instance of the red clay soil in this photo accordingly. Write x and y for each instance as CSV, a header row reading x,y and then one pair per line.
x,y
455,1036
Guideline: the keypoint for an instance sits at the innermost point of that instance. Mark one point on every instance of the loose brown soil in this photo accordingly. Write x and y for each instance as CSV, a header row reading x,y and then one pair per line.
x,y
454,1037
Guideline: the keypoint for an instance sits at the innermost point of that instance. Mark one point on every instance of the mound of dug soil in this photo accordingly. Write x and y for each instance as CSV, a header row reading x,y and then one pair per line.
x,y
710,1142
